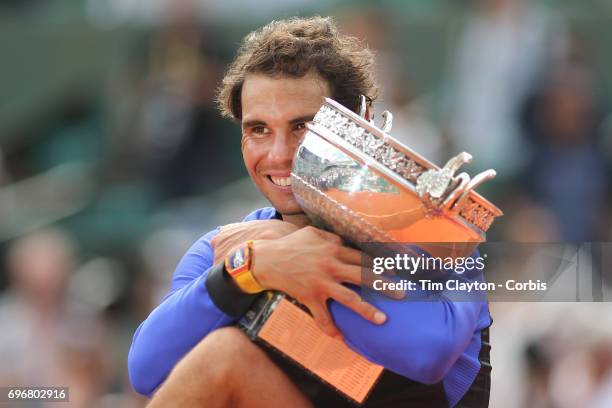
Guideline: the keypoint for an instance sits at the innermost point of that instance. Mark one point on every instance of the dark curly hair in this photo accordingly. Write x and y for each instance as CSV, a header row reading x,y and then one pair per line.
x,y
294,47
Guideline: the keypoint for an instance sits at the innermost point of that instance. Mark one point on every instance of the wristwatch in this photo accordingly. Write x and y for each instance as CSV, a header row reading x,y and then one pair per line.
x,y
239,265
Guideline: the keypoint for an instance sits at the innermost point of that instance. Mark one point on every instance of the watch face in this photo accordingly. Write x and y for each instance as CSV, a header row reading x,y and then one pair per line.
x,y
237,259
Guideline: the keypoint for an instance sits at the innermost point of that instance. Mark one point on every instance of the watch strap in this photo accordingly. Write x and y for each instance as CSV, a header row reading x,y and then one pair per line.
x,y
225,293
239,264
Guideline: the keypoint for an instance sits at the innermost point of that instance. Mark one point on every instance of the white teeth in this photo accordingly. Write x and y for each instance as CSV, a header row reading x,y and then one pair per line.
x,y
281,181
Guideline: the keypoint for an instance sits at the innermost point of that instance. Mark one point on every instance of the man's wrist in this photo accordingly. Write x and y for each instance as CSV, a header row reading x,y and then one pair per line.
x,y
225,294
239,265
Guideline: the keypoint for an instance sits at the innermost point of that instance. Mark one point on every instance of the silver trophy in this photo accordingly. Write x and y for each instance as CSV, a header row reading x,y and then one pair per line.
x,y
353,178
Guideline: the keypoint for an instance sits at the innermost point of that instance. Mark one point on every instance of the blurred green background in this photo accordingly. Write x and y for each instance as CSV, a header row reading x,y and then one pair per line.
x,y
114,159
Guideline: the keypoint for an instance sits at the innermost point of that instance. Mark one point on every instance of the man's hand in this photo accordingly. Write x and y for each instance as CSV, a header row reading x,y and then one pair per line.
x,y
310,265
232,236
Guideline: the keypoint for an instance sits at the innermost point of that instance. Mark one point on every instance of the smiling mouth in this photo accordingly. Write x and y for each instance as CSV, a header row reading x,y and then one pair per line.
x,y
280,181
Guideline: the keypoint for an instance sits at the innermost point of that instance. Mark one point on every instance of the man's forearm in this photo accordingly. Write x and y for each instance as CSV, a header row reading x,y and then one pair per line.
x,y
184,318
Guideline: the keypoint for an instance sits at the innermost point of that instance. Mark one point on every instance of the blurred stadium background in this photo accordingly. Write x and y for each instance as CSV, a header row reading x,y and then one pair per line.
x,y
113,160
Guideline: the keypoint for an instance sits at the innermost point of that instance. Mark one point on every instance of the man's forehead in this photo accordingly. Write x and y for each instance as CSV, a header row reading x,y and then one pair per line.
x,y
281,98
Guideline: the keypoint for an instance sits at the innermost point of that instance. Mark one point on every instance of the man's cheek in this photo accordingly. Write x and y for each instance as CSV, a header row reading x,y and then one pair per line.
x,y
249,164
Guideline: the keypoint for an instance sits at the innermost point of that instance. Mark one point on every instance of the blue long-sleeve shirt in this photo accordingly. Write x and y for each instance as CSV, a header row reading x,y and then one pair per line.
x,y
428,342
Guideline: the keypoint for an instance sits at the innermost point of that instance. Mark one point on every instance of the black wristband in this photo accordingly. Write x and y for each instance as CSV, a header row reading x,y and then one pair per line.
x,y
225,294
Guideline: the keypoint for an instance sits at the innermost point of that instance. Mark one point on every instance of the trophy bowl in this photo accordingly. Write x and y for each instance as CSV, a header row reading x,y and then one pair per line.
x,y
354,179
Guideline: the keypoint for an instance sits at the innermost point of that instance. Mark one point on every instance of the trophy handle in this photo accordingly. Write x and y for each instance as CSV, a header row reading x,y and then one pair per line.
x,y
461,188
363,106
440,189
475,182
387,121
456,162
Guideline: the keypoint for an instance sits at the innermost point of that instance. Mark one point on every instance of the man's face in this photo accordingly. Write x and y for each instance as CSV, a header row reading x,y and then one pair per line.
x,y
274,116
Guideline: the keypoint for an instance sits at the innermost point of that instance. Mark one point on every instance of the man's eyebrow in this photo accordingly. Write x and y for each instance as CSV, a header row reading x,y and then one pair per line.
x,y
305,118
254,122
257,122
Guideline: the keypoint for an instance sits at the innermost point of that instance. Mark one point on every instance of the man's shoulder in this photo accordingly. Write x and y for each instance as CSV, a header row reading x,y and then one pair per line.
x,y
266,213
203,243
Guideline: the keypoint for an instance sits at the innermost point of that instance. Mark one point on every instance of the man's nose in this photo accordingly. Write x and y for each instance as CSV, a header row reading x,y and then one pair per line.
x,y
283,148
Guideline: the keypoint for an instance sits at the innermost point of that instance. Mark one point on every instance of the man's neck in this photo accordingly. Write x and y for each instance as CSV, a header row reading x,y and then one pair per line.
x,y
299,220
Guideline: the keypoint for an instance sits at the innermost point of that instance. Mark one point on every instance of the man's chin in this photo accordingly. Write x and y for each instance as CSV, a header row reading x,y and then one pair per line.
x,y
289,209
298,219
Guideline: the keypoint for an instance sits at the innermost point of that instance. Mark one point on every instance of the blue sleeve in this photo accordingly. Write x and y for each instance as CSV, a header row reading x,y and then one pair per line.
x,y
420,340
425,334
185,316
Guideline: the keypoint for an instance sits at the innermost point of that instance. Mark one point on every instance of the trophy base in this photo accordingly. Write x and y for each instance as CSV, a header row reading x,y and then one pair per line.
x,y
282,325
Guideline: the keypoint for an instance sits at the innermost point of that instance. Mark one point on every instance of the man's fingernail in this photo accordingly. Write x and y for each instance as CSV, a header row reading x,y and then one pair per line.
x,y
379,317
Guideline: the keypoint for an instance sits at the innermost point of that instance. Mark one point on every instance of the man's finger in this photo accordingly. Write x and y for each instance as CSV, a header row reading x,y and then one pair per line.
x,y
323,319
368,277
328,236
353,301
349,274
352,256
365,277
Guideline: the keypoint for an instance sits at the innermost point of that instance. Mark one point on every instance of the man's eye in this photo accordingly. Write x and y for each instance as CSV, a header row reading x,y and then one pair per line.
x,y
300,126
260,130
